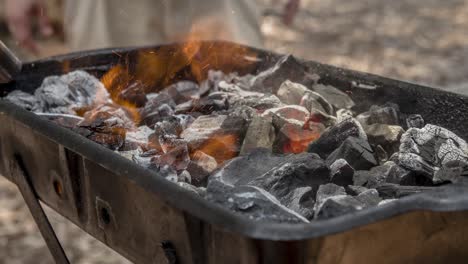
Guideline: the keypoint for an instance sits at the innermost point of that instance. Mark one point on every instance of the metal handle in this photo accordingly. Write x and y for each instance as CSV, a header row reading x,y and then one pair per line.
x,y
10,65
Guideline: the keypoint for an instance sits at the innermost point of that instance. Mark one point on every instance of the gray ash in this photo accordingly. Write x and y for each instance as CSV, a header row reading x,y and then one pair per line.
x,y
278,146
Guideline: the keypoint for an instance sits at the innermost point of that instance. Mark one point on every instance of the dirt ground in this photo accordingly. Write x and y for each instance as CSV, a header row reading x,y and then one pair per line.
x,y
422,41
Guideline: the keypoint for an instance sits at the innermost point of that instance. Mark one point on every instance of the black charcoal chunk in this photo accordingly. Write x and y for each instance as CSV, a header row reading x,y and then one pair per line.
x,y
301,200
369,197
355,190
415,121
341,173
357,152
334,96
297,171
263,103
391,191
338,206
334,136
252,202
389,172
193,189
24,100
313,101
326,191
150,114
71,92
451,171
388,114
260,134
245,112
184,176
287,68
387,136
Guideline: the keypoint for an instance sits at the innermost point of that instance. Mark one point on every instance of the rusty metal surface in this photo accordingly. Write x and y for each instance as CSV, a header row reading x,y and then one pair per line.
x,y
150,220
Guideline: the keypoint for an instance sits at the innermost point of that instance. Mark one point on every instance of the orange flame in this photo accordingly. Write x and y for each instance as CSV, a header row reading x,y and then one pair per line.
x,y
221,147
116,80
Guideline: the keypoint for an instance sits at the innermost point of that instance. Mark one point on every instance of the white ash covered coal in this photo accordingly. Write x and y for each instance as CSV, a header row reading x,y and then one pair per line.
x,y
278,146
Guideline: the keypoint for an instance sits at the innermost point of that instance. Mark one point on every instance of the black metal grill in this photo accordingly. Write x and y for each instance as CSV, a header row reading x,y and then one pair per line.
x,y
150,220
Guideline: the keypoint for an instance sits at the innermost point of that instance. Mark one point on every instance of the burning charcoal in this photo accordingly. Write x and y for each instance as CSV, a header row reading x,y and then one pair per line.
x,y
451,171
334,96
286,68
237,92
390,190
260,134
339,205
355,190
217,136
24,100
334,136
387,114
320,117
200,167
134,94
357,152
369,197
426,150
182,91
341,173
415,121
184,176
263,103
252,202
291,93
384,135
184,107
108,125
70,92
295,139
135,139
178,158
289,112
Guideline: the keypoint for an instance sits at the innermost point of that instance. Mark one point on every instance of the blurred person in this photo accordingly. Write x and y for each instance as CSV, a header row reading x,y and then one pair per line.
x,y
91,24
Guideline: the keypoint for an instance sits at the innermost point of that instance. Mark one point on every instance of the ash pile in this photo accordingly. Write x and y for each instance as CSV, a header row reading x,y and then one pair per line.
x,y
266,146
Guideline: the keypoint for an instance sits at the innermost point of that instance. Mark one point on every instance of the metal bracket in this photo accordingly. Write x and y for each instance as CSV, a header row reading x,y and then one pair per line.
x,y
32,200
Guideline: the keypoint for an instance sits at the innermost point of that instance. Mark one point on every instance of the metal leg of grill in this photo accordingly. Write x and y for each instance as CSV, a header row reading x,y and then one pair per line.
x,y
30,197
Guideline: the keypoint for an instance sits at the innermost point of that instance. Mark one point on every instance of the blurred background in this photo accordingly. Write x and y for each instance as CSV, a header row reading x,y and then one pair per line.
x,y
422,41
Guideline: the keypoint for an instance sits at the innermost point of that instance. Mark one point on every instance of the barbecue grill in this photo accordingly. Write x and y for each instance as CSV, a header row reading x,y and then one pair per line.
x,y
150,220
